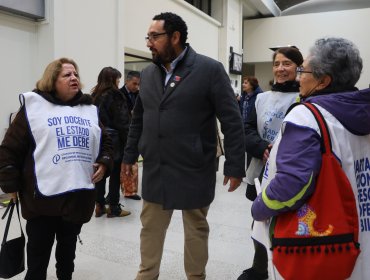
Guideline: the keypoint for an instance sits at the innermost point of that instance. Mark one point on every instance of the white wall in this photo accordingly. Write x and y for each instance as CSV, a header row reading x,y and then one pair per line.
x,y
233,33
263,72
89,31
96,34
18,41
302,31
203,30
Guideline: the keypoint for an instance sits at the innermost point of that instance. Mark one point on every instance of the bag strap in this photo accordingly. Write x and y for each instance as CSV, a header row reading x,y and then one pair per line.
x,y
325,136
19,217
10,210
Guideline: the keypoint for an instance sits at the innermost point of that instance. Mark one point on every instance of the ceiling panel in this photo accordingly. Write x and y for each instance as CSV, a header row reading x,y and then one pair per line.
x,y
316,6
274,8
284,4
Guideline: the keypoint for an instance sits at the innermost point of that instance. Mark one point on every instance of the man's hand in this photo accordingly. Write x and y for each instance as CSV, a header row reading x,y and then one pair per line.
x,y
234,183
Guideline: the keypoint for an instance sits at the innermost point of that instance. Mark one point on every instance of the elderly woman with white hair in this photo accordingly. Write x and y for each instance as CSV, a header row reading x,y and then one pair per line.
x,y
327,80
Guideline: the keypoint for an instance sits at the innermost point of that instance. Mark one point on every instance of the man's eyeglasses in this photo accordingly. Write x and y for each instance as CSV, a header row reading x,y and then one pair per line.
x,y
301,70
153,37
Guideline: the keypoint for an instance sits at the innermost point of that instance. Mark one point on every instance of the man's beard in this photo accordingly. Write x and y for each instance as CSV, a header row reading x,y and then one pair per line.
x,y
167,56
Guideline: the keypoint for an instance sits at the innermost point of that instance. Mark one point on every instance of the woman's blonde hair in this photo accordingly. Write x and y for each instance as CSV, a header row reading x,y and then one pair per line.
x,y
51,73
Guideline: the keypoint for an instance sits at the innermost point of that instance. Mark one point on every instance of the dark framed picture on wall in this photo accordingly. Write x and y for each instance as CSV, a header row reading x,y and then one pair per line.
x,y
236,63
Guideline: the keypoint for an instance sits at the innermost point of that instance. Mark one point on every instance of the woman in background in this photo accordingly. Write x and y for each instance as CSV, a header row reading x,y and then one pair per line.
x,y
248,97
114,115
247,100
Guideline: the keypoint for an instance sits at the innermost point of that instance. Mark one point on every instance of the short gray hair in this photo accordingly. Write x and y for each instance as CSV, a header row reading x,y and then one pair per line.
x,y
339,58
133,74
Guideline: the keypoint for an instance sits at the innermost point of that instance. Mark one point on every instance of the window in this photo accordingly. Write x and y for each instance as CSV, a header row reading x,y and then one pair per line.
x,y
203,5
34,9
285,4
135,62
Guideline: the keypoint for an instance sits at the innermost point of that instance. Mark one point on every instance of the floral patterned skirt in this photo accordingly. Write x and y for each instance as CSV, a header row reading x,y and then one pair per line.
x,y
130,182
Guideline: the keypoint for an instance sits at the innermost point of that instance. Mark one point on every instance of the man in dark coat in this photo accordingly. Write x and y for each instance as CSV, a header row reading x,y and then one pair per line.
x,y
174,128
131,88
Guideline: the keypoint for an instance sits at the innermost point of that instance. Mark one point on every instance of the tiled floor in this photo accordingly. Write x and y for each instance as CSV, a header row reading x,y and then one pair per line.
x,y
110,249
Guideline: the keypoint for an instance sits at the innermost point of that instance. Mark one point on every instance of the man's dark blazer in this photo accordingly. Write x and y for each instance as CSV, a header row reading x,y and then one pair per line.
x,y
130,100
174,129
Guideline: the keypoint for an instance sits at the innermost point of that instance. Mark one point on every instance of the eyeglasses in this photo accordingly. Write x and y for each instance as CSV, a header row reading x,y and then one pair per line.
x,y
153,37
301,70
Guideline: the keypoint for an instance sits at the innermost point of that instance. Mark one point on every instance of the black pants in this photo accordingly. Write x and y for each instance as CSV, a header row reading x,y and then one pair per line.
x,y
41,233
260,260
114,186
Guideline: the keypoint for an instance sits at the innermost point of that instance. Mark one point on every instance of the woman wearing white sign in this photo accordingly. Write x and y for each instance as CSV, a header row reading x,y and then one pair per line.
x,y
51,156
261,128
327,79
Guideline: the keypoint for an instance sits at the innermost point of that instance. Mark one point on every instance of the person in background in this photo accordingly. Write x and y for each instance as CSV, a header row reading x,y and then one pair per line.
x,y
181,94
129,184
131,88
262,126
327,79
247,99
51,156
114,115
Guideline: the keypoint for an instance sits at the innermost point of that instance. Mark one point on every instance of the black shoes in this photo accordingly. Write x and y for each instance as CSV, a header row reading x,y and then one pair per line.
x,y
107,200
252,274
251,192
134,197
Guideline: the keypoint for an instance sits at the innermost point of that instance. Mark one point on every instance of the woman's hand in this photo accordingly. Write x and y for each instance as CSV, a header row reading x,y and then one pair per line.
x,y
266,154
14,196
99,173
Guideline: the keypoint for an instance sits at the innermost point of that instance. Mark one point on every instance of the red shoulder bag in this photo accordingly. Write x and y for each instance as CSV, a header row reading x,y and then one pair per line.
x,y
319,240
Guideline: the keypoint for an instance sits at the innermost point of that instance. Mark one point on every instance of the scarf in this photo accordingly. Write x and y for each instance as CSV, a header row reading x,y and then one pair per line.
x,y
288,86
